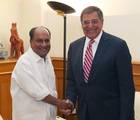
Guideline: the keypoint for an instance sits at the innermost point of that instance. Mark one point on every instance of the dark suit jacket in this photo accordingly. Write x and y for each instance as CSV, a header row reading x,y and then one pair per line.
x,y
109,93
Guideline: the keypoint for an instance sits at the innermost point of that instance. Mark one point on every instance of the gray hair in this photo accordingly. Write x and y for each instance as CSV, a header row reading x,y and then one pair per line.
x,y
91,9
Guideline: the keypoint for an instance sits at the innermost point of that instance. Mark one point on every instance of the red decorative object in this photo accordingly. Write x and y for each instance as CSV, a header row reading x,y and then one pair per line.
x,y
17,47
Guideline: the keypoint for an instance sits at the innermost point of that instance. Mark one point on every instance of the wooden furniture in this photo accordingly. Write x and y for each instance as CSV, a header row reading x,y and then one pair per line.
x,y
136,75
6,67
58,68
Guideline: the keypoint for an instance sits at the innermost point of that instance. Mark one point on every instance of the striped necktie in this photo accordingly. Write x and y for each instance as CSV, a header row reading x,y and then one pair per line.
x,y
88,60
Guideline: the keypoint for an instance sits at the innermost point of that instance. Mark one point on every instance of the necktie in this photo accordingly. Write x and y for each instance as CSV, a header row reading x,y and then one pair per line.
x,y
88,60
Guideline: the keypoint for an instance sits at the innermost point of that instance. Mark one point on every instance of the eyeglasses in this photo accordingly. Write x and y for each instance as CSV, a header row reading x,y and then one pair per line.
x,y
87,22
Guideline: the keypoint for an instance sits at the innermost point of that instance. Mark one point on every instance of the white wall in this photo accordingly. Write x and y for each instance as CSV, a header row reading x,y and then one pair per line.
x,y
9,13
55,24
26,13
110,7
30,16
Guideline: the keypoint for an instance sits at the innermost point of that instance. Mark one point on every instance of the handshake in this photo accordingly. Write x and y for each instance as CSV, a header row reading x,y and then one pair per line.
x,y
65,106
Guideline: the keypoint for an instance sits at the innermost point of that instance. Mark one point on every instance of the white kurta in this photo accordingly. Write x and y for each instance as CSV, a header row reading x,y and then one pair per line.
x,y
32,80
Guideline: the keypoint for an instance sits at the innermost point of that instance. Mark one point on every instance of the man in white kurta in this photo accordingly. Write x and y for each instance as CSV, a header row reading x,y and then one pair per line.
x,y
32,80
33,88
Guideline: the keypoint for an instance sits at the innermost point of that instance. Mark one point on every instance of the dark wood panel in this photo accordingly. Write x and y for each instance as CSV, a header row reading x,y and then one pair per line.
x,y
5,97
137,81
7,65
136,67
57,62
136,74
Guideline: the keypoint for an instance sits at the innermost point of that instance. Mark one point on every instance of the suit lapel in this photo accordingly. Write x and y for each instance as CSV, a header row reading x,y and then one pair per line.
x,y
80,59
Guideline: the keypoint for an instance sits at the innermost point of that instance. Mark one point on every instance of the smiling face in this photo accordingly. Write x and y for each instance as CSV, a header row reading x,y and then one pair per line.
x,y
40,43
91,24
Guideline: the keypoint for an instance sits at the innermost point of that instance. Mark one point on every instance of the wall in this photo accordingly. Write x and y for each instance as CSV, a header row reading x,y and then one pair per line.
x,y
26,13
110,7
30,16
9,13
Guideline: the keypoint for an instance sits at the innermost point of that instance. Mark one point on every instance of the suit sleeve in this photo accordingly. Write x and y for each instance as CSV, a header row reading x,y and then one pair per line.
x,y
71,92
127,90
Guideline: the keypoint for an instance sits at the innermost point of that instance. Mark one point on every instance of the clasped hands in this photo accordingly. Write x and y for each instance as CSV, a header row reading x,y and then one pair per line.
x,y
65,106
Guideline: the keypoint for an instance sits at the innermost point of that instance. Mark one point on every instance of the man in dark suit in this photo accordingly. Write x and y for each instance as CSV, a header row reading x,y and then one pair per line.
x,y
99,74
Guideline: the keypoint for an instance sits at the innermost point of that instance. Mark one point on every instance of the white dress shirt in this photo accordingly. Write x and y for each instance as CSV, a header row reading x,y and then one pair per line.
x,y
32,80
94,45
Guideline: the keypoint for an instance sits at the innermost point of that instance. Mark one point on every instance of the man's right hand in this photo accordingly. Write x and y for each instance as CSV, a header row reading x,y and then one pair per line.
x,y
65,106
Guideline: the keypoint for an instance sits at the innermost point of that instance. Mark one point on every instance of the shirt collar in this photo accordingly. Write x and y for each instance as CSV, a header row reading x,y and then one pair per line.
x,y
97,39
36,56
